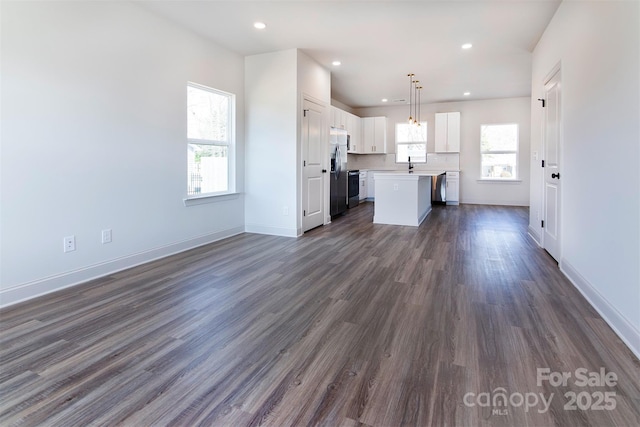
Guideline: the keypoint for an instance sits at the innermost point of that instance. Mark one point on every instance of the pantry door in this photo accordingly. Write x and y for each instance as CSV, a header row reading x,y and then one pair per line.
x,y
552,151
313,142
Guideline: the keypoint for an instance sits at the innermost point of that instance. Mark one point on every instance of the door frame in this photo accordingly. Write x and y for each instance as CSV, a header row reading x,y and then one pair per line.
x,y
556,70
325,153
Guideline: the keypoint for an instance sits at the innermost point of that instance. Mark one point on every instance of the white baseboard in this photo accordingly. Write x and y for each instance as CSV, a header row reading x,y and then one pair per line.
x,y
272,231
495,202
27,291
424,215
533,233
620,324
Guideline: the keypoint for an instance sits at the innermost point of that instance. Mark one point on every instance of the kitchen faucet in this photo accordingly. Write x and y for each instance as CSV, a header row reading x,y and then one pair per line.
x,y
410,165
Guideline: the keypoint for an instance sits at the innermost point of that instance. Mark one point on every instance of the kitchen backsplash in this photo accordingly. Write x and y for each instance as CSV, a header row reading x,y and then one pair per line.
x,y
435,161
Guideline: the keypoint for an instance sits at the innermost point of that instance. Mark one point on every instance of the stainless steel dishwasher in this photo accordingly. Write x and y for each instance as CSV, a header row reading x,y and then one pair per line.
x,y
438,189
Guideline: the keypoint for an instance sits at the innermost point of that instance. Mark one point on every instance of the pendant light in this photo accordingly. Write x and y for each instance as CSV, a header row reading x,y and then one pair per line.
x,y
416,118
414,100
418,106
410,97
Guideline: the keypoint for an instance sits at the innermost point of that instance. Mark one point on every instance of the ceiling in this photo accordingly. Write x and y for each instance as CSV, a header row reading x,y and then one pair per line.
x,y
379,42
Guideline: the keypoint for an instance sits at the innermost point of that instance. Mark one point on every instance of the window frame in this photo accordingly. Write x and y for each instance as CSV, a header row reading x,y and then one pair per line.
x,y
516,177
230,144
397,143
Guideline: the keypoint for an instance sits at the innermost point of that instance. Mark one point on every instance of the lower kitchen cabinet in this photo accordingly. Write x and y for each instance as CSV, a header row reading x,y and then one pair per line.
x,y
371,185
453,188
363,185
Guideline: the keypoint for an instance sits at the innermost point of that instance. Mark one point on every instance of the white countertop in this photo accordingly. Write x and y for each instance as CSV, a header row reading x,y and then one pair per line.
x,y
407,173
382,170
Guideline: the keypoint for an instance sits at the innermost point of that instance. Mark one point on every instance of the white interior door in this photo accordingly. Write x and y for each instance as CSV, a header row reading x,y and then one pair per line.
x,y
552,151
312,165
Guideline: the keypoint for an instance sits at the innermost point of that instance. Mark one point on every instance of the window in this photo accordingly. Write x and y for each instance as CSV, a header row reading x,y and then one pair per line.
x,y
499,151
210,148
411,142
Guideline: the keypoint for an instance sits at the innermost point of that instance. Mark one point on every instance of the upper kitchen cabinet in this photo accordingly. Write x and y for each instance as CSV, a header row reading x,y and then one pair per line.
x,y
338,118
374,135
448,132
351,123
354,129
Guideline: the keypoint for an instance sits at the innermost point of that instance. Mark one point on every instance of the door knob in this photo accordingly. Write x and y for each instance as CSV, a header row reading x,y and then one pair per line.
x,y
555,175
324,171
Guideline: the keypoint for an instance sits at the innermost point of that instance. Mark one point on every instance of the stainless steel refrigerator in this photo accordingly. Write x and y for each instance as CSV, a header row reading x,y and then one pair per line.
x,y
338,176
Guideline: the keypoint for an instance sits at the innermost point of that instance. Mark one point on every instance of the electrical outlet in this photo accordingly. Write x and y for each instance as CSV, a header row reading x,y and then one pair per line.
x,y
285,210
69,243
106,236
395,187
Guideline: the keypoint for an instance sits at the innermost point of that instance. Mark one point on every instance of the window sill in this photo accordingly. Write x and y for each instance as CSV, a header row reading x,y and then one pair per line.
x,y
499,181
211,198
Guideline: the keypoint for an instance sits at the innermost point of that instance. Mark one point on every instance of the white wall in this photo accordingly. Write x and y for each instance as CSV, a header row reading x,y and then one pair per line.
x,y
472,115
271,138
275,85
94,137
597,45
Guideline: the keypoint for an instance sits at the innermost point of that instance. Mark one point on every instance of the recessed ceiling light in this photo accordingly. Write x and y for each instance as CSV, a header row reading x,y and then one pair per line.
x,y
467,93
384,99
260,25
336,63
467,46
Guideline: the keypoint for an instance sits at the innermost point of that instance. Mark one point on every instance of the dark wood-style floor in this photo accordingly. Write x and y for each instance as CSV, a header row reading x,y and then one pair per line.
x,y
351,324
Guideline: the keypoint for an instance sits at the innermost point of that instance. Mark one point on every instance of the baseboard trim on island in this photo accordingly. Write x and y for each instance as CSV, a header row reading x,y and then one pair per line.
x,y
417,224
424,216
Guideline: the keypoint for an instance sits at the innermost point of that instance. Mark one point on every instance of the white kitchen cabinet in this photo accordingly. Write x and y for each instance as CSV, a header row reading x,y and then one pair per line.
x,y
363,185
354,129
371,185
374,135
368,130
351,123
448,132
453,188
338,118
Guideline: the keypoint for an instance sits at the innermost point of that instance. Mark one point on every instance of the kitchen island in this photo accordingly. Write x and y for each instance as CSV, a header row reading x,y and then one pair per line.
x,y
402,198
